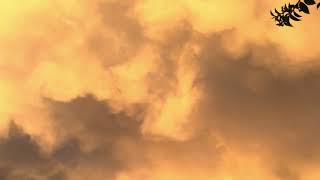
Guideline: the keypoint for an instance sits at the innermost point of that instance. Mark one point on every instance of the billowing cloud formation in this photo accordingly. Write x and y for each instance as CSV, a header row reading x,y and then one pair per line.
x,y
156,90
97,143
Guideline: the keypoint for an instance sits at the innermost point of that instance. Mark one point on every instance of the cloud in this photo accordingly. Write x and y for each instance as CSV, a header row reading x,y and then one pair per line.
x,y
260,104
113,142
95,142
21,156
151,89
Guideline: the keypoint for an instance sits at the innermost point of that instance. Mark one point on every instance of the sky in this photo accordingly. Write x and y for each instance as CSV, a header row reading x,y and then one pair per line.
x,y
157,90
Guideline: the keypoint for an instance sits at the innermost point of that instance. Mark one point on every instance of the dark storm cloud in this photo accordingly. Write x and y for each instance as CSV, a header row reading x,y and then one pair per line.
x,y
118,143
86,120
21,156
256,103
92,118
17,142
255,100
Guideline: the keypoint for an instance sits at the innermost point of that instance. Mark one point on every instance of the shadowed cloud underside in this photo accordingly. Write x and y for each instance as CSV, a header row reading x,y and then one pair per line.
x,y
157,90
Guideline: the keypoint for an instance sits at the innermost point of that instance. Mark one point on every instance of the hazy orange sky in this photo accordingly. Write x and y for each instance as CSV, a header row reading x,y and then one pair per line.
x,y
157,90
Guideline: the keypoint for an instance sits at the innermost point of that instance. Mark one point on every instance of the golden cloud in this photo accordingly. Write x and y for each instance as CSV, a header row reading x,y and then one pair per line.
x,y
157,90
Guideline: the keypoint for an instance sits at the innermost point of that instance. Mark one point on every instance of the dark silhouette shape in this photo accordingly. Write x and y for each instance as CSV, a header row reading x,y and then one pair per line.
x,y
289,12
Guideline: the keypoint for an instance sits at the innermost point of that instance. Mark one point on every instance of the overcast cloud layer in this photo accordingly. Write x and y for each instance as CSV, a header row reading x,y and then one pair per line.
x,y
157,90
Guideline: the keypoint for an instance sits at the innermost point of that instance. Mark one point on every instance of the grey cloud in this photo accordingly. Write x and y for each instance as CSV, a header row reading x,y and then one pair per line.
x,y
19,148
119,145
21,156
255,100
92,118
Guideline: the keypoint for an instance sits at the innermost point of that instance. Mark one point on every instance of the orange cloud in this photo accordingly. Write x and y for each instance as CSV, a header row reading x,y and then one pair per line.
x,y
157,89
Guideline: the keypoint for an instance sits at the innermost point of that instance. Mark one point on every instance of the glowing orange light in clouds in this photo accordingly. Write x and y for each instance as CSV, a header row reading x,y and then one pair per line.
x,y
141,52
